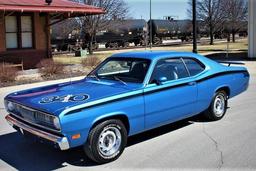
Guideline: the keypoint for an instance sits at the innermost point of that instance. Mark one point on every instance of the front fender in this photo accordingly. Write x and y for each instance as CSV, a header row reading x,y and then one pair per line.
x,y
109,116
82,121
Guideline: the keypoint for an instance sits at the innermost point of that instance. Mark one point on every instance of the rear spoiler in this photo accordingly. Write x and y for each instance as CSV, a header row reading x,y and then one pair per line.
x,y
231,63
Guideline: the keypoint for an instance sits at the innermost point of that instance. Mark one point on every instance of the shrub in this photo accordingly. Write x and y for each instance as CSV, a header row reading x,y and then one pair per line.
x,y
49,68
91,61
7,73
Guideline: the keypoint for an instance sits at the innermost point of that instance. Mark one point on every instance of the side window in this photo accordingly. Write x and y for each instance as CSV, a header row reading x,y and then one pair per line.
x,y
171,69
194,66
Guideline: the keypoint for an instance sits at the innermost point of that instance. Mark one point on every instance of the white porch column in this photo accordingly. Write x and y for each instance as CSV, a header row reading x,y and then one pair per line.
x,y
252,29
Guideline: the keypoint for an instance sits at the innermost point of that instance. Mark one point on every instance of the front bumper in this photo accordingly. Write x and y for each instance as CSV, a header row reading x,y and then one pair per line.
x,y
61,141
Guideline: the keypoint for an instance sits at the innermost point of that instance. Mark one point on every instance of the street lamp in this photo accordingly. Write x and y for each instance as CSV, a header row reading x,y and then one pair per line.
x,y
48,2
194,27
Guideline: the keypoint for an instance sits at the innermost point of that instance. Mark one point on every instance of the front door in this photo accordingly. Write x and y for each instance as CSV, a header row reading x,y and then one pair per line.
x,y
171,94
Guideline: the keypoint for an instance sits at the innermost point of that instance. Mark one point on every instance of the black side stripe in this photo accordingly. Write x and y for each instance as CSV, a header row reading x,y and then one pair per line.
x,y
162,89
103,103
165,88
198,81
223,73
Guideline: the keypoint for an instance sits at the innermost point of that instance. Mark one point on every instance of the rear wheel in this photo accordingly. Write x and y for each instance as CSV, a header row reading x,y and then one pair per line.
x,y
218,107
106,141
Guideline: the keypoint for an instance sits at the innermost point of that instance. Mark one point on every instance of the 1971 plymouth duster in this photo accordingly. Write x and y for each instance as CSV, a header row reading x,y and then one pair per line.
x,y
126,94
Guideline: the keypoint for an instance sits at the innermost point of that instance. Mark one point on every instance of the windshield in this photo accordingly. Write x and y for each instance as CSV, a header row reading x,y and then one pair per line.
x,y
122,69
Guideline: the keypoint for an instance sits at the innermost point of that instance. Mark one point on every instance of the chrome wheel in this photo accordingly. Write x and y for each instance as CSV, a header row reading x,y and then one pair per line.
x,y
219,105
109,141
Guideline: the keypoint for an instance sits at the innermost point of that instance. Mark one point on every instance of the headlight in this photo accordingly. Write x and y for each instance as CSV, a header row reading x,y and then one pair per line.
x,y
9,106
47,120
5,104
56,122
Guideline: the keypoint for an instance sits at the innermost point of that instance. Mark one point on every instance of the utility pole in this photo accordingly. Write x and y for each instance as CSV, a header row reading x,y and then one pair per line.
x,y
194,27
150,20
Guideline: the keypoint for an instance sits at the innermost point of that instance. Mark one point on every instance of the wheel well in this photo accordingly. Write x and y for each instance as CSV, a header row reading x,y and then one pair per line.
x,y
226,89
122,118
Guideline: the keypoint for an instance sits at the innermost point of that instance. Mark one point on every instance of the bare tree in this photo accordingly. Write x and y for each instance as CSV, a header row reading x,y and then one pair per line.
x,y
63,29
211,15
236,14
115,10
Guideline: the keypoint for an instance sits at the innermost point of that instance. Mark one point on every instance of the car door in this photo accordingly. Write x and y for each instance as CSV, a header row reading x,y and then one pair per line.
x,y
171,94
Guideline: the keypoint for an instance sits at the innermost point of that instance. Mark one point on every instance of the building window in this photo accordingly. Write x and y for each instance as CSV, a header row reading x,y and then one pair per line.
x,y
11,32
19,32
26,32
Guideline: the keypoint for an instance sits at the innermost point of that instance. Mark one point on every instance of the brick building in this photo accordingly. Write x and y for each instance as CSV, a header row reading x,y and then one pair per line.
x,y
25,27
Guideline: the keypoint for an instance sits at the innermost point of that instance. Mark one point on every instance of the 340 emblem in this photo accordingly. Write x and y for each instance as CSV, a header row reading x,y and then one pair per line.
x,y
64,99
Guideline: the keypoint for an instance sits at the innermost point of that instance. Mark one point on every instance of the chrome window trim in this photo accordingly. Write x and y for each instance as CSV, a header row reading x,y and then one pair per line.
x,y
197,61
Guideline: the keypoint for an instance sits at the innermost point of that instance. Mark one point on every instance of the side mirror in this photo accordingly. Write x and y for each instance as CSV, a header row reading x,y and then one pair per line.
x,y
161,80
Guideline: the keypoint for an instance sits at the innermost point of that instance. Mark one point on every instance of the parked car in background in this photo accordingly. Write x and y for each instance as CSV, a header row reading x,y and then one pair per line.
x,y
126,94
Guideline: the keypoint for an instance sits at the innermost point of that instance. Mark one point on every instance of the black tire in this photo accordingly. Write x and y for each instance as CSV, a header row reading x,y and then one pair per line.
x,y
212,113
92,148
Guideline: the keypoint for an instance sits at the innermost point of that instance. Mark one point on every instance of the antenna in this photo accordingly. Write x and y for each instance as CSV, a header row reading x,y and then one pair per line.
x,y
228,41
70,66
150,20
70,70
145,33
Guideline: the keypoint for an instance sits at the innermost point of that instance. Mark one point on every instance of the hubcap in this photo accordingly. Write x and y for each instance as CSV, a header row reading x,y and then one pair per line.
x,y
109,141
219,105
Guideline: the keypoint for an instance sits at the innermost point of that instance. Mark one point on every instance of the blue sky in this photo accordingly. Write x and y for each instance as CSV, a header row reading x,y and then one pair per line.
x,y
160,8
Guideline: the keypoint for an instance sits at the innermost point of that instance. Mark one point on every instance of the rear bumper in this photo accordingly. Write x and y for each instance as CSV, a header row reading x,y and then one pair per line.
x,y
62,142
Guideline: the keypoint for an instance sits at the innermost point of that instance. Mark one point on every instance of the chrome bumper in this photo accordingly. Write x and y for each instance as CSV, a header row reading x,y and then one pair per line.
x,y
61,141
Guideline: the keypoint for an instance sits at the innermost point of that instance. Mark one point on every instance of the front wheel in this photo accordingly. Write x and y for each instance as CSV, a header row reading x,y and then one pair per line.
x,y
106,141
218,107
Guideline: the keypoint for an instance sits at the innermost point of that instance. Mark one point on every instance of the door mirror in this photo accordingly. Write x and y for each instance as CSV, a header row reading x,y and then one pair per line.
x,y
161,80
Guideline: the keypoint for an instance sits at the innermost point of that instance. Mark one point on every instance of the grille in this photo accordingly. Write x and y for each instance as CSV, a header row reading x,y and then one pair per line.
x,y
34,116
27,114
44,119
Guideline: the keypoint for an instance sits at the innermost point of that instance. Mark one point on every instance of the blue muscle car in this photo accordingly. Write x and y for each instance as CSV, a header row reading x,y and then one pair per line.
x,y
126,94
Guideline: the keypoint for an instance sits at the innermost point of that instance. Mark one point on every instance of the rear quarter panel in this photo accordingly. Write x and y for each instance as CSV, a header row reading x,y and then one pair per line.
x,y
236,79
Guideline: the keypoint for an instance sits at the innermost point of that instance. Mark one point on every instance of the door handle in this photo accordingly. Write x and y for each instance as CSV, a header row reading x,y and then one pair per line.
x,y
192,83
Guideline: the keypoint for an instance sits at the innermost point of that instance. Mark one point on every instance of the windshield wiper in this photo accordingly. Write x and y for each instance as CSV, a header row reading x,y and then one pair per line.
x,y
94,76
118,79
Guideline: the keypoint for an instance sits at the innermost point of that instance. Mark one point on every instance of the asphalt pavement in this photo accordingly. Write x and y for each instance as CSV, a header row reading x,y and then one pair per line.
x,y
189,144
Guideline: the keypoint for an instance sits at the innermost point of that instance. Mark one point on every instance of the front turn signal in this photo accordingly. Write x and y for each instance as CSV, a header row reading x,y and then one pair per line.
x,y
76,136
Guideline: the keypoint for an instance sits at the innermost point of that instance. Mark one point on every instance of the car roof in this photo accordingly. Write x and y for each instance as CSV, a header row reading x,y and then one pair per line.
x,y
155,55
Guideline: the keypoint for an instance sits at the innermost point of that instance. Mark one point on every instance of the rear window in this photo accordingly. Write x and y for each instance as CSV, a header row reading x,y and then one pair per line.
x,y
194,67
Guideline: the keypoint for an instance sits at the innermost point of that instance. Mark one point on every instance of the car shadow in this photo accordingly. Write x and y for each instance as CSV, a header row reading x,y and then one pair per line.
x,y
23,154
145,136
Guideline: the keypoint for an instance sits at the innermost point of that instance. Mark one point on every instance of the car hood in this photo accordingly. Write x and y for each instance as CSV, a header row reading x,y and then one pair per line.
x,y
56,98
